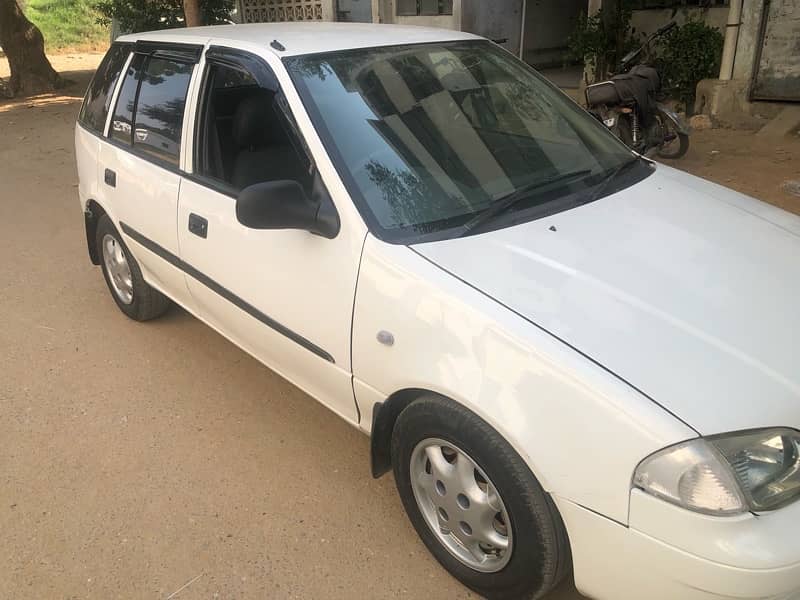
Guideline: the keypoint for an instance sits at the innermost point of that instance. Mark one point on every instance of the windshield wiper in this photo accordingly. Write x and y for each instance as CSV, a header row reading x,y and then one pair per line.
x,y
504,203
601,187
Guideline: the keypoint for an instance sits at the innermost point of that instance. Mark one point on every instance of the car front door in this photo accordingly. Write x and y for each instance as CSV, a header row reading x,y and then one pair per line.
x,y
286,296
139,161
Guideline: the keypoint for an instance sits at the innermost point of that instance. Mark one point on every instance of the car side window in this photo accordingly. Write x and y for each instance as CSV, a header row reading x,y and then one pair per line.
x,y
122,121
151,105
246,134
158,119
98,97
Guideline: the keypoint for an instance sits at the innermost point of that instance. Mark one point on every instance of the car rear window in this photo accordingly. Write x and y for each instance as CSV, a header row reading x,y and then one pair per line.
x,y
98,97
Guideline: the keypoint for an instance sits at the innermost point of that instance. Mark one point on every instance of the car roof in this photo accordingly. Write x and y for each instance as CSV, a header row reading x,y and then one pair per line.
x,y
306,37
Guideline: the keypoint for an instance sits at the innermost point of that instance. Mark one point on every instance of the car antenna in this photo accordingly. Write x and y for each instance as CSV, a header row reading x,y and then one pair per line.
x,y
277,45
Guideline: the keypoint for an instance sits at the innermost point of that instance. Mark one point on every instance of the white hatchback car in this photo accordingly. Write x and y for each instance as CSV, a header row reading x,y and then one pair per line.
x,y
571,357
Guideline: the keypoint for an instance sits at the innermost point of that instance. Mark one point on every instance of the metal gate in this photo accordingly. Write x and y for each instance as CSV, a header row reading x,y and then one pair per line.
x,y
776,74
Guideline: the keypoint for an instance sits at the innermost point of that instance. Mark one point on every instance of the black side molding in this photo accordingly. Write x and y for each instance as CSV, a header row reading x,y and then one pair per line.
x,y
224,292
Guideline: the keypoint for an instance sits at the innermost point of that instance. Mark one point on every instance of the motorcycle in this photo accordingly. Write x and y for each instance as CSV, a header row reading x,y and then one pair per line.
x,y
628,104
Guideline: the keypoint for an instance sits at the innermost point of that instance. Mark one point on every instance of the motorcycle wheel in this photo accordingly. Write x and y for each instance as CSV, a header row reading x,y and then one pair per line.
x,y
678,144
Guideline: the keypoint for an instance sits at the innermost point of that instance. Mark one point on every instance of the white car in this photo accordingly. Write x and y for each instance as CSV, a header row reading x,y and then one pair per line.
x,y
571,357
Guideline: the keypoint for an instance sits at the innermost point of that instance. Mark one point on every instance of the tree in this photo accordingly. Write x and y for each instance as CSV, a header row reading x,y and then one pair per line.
x,y
687,54
191,12
147,15
31,72
601,40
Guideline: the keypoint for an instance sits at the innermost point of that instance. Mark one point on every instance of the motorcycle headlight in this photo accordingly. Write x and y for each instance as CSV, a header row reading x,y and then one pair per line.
x,y
726,474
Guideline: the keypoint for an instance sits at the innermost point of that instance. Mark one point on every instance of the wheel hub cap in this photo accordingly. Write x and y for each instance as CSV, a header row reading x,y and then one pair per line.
x,y
119,273
461,505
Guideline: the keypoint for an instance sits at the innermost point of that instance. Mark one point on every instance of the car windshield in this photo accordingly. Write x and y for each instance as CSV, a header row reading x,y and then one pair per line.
x,y
428,136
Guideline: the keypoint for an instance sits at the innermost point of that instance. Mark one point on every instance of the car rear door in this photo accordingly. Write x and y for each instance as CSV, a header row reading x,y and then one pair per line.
x,y
139,160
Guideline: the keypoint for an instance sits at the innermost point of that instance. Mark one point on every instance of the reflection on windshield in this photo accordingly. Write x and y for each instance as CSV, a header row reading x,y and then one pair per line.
x,y
429,135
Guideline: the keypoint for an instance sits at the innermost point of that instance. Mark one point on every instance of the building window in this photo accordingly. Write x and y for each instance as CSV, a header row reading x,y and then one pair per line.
x,y
415,8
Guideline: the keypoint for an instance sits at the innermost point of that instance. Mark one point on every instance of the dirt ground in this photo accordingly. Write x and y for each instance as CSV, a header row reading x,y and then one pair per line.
x,y
136,459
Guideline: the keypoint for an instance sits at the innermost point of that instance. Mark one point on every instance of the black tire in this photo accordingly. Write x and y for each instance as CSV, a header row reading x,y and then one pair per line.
x,y
683,140
540,556
147,302
683,148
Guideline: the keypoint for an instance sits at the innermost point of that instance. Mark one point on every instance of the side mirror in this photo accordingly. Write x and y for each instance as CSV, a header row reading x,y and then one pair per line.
x,y
285,205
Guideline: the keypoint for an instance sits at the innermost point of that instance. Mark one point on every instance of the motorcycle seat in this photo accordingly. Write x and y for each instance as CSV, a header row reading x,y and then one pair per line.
x,y
639,84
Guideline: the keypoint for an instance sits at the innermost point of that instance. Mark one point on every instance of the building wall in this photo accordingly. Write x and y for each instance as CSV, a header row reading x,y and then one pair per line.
x,y
747,44
356,11
443,21
388,14
496,20
265,11
649,20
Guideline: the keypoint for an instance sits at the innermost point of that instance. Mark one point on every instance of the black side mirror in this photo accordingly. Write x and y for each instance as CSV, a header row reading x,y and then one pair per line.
x,y
285,205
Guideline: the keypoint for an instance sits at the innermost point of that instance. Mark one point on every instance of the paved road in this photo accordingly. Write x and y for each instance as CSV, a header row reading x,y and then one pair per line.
x,y
135,458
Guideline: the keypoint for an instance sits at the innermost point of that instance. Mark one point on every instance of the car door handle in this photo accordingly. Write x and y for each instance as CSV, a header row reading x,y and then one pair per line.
x,y
198,225
110,178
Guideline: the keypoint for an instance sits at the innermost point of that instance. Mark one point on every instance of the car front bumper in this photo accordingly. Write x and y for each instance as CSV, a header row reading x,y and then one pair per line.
x,y
668,553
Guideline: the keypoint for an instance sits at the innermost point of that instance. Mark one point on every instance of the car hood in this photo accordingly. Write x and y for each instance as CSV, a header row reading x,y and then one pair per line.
x,y
688,291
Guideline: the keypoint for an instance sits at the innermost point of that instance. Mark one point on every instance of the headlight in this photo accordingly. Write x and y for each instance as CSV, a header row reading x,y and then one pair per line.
x,y
726,474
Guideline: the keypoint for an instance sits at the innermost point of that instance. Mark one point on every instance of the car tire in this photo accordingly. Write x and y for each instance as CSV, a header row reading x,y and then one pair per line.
x,y
538,547
130,291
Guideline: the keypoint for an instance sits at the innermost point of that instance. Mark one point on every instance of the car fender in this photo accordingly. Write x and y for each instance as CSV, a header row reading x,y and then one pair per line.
x,y
580,429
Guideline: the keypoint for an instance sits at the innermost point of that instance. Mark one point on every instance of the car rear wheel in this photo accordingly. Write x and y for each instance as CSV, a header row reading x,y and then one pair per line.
x,y
475,504
130,291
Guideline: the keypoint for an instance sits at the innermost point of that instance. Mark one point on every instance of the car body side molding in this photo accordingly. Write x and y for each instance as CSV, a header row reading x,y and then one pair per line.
x,y
224,292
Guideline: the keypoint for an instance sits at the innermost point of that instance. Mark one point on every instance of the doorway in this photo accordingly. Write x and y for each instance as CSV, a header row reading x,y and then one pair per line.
x,y
547,27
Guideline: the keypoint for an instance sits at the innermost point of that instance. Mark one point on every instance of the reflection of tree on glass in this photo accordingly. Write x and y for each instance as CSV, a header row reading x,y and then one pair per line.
x,y
160,108
169,114
408,197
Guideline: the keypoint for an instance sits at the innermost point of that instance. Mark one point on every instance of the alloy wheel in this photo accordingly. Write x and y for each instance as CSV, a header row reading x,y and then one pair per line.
x,y
119,272
461,505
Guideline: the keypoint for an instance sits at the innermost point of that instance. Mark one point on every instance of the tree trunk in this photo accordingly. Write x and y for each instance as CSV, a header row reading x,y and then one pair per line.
x,y
191,12
31,72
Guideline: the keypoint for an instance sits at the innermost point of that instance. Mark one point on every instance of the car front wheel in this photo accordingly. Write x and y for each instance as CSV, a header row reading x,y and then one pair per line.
x,y
474,502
